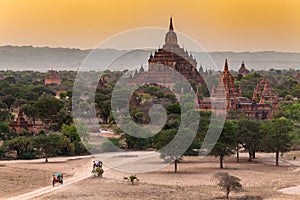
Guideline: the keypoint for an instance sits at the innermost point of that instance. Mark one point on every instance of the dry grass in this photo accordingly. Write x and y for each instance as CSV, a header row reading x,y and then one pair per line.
x,y
17,178
194,180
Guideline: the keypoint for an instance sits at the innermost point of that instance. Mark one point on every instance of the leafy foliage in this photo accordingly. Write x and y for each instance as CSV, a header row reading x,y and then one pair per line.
x,y
228,183
226,143
277,136
249,136
131,179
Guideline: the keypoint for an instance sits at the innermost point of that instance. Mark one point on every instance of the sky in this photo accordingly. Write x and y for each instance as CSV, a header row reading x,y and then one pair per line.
x,y
218,25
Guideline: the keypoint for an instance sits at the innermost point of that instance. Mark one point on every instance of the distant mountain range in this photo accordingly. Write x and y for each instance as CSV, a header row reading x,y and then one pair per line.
x,y
44,58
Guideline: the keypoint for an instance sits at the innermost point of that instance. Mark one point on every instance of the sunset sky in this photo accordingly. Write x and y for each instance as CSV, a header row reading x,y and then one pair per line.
x,y
218,25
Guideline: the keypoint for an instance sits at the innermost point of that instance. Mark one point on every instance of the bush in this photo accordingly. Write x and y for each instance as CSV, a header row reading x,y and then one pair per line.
x,y
131,179
4,127
1,153
27,155
228,183
42,132
99,171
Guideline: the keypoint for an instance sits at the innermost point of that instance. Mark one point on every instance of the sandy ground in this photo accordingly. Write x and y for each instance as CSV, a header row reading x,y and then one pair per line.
x,y
194,180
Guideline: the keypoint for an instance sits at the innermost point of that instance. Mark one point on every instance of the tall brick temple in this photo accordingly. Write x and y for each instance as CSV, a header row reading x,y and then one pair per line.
x,y
165,61
226,98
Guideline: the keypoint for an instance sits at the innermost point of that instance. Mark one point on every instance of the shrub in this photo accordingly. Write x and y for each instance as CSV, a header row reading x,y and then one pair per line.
x,y
99,171
27,155
228,183
131,179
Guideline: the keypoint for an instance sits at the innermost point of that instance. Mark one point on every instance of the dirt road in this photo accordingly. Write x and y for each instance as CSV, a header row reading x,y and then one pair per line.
x,y
79,174
194,175
124,162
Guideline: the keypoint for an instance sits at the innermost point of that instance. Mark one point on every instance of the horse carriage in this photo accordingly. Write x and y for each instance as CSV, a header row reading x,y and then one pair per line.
x,y
57,178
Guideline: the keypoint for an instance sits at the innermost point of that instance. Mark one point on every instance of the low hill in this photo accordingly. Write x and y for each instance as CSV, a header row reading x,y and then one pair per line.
x,y
44,58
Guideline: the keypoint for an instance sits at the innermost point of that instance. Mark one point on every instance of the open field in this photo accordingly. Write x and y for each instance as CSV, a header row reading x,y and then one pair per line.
x,y
194,179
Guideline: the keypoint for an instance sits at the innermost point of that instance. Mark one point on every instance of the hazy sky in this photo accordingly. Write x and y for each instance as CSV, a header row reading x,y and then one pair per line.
x,y
218,25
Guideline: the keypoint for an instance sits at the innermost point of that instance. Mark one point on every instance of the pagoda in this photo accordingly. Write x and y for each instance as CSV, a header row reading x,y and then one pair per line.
x,y
243,70
53,77
166,62
20,124
227,99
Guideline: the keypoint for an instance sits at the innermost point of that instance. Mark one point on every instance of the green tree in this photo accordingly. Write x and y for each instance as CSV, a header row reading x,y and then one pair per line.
x,y
228,183
51,145
277,136
137,115
4,129
296,93
249,136
48,109
174,150
9,100
104,109
226,143
103,103
72,134
31,112
21,145
173,109
162,139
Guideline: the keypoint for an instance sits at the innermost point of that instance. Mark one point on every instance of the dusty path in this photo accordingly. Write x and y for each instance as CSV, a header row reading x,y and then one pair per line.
x,y
79,174
293,189
192,173
133,160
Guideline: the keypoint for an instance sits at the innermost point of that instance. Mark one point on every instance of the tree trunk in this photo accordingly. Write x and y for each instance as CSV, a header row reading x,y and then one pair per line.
x,y
253,153
221,162
250,154
175,165
46,159
277,158
237,153
227,193
18,153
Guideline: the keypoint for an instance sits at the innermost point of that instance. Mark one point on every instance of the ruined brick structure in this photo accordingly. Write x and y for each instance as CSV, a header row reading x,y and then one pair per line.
x,y
53,77
20,124
243,70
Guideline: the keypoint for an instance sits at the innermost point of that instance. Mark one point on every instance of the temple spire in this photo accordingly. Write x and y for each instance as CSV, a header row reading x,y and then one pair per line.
x,y
243,65
171,37
171,25
226,65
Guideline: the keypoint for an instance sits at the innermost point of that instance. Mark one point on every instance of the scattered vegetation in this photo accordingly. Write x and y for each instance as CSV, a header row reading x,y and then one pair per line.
x,y
228,183
99,171
132,179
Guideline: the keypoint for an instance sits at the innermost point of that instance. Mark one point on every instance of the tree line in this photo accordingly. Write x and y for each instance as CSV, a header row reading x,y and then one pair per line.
x,y
26,90
28,146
